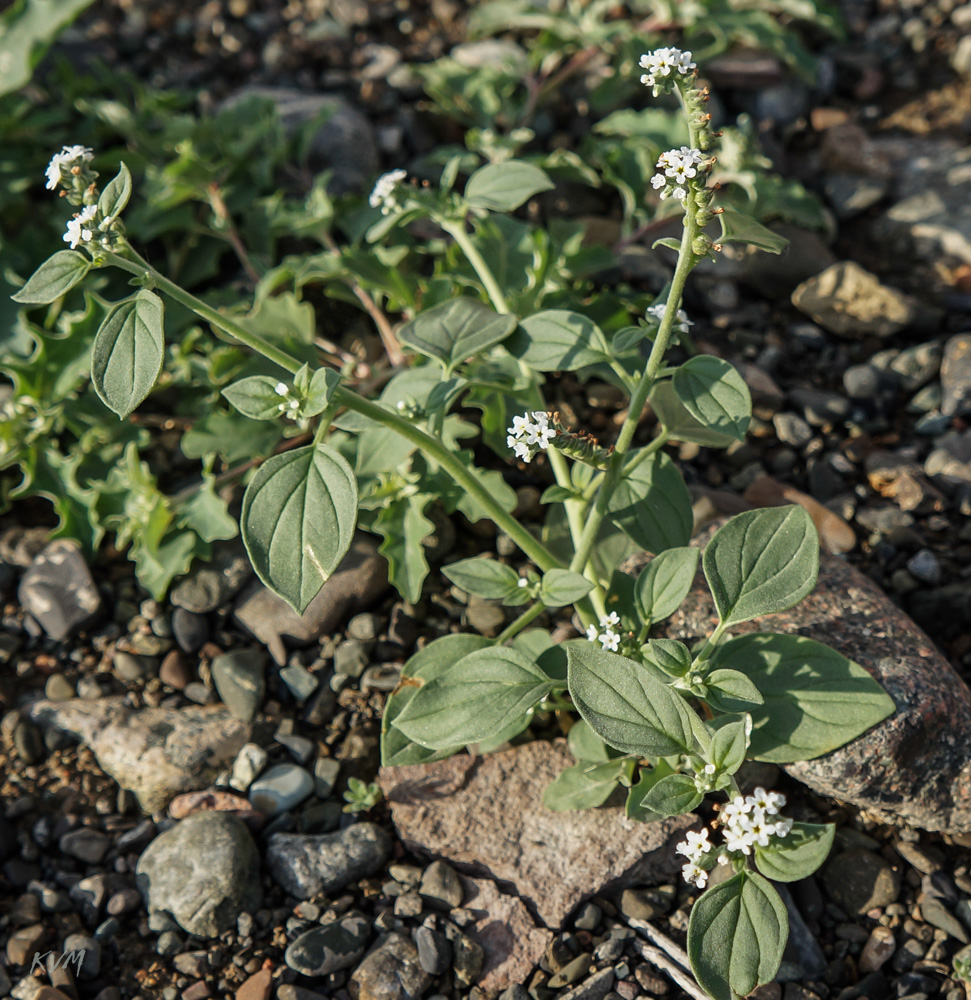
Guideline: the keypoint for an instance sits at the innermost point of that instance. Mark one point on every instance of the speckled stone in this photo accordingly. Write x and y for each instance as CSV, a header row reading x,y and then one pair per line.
x,y
450,808
913,768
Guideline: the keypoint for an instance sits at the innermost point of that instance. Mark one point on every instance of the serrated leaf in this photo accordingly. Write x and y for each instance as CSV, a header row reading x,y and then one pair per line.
x,y
796,855
503,187
482,694
714,393
651,505
665,582
456,330
560,587
672,796
736,935
625,705
56,276
739,228
128,351
815,699
483,577
298,519
761,562
558,340
115,195
679,423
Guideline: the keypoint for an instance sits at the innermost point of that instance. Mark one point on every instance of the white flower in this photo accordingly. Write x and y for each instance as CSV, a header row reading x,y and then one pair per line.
x,y
694,875
281,389
522,582
661,63
766,802
77,228
383,194
610,641
782,826
681,322
694,845
525,434
612,619
592,634
710,769
65,159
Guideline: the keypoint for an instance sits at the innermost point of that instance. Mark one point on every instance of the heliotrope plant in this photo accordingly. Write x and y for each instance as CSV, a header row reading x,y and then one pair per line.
x,y
671,724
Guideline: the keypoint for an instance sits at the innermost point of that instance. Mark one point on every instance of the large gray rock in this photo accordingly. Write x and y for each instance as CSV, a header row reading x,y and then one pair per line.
x,y
157,753
485,815
58,590
205,872
914,767
343,139
212,583
306,864
360,579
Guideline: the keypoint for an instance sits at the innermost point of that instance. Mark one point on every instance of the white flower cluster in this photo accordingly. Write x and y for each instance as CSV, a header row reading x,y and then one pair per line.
x,y
62,162
675,168
662,63
291,403
609,639
745,822
525,435
78,230
681,322
383,194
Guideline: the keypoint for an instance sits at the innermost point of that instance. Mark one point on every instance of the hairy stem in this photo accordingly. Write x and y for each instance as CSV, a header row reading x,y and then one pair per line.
x,y
516,626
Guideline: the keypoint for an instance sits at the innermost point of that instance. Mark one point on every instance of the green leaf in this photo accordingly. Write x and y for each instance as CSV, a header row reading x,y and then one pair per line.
x,y
665,582
483,577
669,655
731,691
647,779
323,383
797,855
736,935
557,494
714,393
585,744
380,449
620,598
255,397
584,786
668,241
558,340
761,562
739,228
456,330
625,705
560,587
729,745
679,423
115,196
815,699
404,527
220,433
672,796
550,658
427,664
478,697
128,351
628,338
503,187
56,276
207,514
298,519
651,505
493,743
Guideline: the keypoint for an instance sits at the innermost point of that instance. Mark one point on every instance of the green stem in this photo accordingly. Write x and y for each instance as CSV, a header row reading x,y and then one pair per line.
x,y
431,447
709,647
456,229
515,627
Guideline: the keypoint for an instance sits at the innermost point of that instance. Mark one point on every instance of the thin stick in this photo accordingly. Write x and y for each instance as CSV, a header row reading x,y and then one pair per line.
x,y
659,960
653,935
222,214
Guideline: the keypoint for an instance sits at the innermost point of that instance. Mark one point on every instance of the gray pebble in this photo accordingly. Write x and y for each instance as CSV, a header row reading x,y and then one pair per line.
x,y
239,679
300,748
91,963
191,630
85,844
351,658
300,681
330,947
434,951
441,888
169,943
281,788
326,772
381,677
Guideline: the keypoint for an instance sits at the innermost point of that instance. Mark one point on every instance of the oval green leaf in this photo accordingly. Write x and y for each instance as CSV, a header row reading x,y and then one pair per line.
x,y
740,228
558,340
625,704
583,786
672,796
665,582
483,577
560,587
815,699
481,695
679,423
652,506
57,275
298,521
762,561
714,393
127,353
585,744
797,855
503,187
456,330
731,691
115,196
255,397
736,935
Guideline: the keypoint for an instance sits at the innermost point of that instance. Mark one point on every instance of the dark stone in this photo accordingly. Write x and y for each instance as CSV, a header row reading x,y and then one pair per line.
x,y
434,951
85,844
213,583
239,677
390,971
58,590
956,376
330,947
913,768
859,880
191,630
